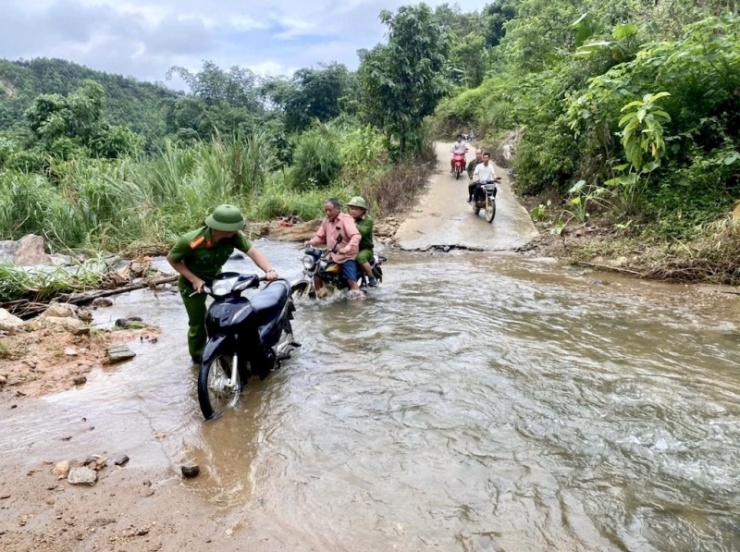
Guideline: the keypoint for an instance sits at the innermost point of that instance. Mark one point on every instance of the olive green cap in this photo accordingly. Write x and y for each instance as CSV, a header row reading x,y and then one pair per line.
x,y
226,218
358,201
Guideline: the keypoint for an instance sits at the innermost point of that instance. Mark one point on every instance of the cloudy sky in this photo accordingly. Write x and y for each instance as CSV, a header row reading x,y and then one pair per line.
x,y
143,38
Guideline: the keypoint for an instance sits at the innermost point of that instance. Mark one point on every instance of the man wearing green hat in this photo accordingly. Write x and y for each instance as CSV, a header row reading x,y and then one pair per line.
x,y
364,222
198,257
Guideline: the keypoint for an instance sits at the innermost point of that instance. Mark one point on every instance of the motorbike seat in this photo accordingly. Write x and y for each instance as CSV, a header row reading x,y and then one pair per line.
x,y
270,300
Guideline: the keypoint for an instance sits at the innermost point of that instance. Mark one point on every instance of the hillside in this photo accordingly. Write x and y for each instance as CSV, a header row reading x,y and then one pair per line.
x,y
137,105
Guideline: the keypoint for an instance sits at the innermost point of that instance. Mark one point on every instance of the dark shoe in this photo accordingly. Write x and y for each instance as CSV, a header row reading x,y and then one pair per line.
x,y
372,282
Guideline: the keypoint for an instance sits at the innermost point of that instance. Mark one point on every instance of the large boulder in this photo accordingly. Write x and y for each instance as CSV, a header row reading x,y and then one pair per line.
x,y
31,251
60,310
9,322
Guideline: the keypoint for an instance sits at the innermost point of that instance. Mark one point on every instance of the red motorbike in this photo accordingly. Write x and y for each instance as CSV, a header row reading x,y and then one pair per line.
x,y
458,164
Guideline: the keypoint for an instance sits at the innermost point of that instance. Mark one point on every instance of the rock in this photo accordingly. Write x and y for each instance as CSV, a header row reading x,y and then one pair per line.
x,y
61,469
84,315
102,302
96,462
9,322
3,379
190,470
72,325
120,460
130,323
70,351
60,310
118,353
82,476
30,251
79,380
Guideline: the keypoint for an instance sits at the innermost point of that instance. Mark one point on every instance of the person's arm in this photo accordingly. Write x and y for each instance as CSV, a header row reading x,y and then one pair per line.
x,y
261,261
182,269
353,246
319,238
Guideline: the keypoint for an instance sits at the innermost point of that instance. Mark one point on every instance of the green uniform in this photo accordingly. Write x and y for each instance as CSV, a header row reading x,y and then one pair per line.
x,y
204,258
471,167
365,227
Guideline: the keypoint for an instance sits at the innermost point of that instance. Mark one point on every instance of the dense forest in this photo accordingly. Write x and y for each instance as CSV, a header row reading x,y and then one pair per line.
x,y
625,110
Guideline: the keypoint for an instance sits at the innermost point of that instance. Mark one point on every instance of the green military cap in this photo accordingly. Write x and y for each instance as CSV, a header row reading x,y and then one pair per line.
x,y
226,217
358,201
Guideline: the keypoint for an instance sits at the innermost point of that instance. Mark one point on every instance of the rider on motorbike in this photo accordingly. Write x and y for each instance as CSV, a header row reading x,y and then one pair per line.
x,y
458,148
198,256
483,172
339,232
471,169
358,209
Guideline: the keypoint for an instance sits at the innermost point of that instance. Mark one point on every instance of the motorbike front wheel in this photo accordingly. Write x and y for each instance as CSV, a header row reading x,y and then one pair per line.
x,y
490,209
457,173
215,390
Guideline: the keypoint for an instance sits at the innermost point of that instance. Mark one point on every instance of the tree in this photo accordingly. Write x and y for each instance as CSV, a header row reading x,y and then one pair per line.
x,y
312,94
402,81
63,126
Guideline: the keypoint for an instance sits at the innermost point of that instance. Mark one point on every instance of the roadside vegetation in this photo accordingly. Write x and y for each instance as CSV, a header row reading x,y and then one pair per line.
x,y
620,121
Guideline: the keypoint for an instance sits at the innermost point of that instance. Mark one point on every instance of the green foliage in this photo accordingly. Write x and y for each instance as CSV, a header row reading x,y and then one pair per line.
x,y
311,95
402,81
38,285
317,159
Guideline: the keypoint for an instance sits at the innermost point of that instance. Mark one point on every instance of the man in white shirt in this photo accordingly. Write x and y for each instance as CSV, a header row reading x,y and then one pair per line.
x,y
484,172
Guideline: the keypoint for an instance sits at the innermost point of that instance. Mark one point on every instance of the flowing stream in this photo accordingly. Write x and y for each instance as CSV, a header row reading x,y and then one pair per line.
x,y
472,402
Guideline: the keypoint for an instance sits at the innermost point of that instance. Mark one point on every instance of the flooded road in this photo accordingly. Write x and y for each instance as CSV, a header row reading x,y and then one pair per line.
x,y
473,402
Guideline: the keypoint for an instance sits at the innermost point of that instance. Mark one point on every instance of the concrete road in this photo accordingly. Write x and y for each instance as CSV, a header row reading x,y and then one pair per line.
x,y
444,218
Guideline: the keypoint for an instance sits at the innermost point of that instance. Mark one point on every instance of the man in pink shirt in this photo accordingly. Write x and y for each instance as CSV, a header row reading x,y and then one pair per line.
x,y
339,232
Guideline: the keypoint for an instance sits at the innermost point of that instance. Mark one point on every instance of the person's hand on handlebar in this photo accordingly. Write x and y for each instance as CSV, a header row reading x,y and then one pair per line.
x,y
271,275
198,285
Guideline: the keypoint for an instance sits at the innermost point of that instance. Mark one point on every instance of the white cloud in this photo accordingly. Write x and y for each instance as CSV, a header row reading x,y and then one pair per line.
x,y
144,38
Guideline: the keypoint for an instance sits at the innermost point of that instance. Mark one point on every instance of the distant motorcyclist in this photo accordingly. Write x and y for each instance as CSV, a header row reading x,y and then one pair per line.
x,y
471,169
358,209
458,148
339,232
484,172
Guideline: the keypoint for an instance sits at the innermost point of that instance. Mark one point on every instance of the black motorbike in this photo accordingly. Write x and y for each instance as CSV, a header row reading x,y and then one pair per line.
x,y
316,263
246,336
485,198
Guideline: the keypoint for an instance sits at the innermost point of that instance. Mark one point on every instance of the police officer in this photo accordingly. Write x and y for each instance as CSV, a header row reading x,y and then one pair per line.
x,y
198,257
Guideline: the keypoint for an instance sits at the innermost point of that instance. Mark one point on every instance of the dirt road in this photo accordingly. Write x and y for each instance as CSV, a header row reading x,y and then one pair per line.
x,y
444,218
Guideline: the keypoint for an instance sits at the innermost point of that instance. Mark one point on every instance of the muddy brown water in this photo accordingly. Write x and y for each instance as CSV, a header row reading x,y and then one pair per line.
x,y
473,402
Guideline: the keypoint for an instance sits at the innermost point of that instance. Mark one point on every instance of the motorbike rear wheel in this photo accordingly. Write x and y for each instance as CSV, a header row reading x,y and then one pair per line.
x,y
215,392
490,208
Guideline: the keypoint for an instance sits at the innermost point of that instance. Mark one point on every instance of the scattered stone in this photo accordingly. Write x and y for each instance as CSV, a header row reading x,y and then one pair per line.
x,y
84,315
60,310
30,363
72,325
190,470
118,353
61,469
80,380
3,379
9,322
82,476
102,302
30,251
70,351
120,460
130,323
96,462
4,496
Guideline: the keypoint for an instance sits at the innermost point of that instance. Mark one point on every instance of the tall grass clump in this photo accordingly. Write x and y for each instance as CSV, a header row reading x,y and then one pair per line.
x,y
317,160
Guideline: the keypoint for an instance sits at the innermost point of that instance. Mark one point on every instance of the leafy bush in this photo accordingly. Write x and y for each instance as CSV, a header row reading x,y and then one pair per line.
x,y
317,160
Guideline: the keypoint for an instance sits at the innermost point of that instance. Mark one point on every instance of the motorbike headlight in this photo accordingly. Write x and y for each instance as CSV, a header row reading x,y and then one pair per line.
x,y
309,262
